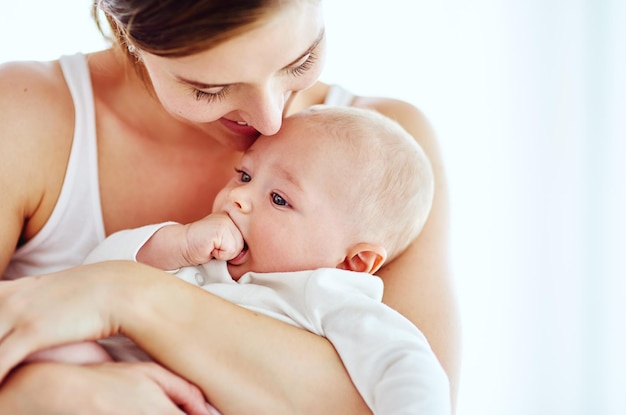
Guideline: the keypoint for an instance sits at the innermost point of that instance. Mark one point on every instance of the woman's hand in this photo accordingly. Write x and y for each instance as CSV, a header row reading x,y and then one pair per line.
x,y
64,307
105,389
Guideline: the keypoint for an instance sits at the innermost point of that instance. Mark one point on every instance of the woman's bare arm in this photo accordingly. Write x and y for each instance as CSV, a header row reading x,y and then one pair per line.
x,y
279,368
226,350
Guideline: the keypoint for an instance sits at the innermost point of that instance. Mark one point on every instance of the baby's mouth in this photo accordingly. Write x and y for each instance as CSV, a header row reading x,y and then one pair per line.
x,y
238,260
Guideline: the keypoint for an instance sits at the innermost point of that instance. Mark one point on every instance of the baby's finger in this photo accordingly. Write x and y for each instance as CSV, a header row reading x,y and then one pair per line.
x,y
225,253
229,245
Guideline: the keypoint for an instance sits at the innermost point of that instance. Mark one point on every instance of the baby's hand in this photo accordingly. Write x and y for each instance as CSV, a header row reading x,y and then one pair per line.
x,y
214,236
175,246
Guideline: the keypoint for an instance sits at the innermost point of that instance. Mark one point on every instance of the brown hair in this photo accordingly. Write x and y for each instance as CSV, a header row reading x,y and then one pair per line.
x,y
175,28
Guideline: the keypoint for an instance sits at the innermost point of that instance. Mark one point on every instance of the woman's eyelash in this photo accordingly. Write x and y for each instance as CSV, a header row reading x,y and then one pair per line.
x,y
304,66
221,94
209,97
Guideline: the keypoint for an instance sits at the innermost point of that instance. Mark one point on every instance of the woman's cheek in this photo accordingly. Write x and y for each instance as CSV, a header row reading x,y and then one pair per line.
x,y
183,105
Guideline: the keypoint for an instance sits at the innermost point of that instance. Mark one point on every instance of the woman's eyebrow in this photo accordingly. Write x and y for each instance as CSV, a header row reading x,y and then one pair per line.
x,y
310,49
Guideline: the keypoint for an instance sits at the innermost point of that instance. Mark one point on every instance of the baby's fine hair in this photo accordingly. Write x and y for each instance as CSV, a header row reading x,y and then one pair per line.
x,y
393,184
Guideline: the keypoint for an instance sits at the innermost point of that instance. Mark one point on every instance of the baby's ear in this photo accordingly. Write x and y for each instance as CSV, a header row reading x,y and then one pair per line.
x,y
364,257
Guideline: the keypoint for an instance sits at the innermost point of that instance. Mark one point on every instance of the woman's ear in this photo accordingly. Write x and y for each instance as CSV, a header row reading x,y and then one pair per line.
x,y
364,257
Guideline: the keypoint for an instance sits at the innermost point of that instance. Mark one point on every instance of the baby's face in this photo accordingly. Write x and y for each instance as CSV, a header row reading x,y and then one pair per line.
x,y
288,200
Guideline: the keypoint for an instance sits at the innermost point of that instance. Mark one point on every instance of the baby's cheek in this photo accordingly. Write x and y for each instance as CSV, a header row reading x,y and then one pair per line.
x,y
273,247
220,200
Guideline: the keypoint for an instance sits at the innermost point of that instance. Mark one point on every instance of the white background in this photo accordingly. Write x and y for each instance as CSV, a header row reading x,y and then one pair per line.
x,y
528,99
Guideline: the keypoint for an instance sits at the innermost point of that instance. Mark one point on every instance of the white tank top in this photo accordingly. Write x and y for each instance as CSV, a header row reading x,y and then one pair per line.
x,y
338,96
75,226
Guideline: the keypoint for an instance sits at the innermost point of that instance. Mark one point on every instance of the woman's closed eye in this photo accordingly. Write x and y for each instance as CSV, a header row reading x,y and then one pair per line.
x,y
210,96
302,68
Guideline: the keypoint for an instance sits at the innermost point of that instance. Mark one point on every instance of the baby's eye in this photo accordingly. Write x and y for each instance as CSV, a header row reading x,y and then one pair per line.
x,y
278,200
243,176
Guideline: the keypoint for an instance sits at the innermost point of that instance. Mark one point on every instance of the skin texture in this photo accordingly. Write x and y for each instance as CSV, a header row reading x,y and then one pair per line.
x,y
284,372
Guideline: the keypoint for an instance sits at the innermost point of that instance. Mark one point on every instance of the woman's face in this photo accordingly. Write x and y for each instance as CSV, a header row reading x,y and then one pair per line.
x,y
244,83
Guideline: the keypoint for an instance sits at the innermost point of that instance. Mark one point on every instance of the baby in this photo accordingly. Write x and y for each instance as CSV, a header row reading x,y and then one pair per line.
x,y
297,234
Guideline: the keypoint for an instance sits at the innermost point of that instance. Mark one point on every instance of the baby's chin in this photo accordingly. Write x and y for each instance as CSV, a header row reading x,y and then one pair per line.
x,y
236,271
238,265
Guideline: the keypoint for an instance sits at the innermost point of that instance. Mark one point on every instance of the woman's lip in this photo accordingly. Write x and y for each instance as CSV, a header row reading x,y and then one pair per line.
x,y
240,129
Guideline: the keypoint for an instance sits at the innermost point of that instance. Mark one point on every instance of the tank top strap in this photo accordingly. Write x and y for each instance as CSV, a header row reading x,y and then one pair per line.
x,y
338,96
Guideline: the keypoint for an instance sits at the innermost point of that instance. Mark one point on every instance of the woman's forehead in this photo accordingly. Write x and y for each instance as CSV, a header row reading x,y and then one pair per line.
x,y
283,40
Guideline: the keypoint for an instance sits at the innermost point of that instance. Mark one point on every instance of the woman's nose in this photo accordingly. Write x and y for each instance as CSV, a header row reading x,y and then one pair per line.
x,y
266,114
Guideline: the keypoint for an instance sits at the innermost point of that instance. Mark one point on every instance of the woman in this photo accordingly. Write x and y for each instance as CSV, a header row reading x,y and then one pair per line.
x,y
198,83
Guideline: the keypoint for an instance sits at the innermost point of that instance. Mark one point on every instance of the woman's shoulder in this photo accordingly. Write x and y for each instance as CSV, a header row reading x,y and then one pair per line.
x,y
36,130
33,87
406,114
34,100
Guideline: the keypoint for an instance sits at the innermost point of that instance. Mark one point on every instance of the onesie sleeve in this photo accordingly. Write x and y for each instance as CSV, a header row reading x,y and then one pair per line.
x,y
123,245
389,360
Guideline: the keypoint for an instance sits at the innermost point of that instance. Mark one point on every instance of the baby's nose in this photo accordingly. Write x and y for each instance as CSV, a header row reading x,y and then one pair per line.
x,y
239,198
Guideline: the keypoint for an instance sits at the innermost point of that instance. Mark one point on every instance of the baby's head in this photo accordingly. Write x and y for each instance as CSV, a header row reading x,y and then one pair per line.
x,y
336,187
389,183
